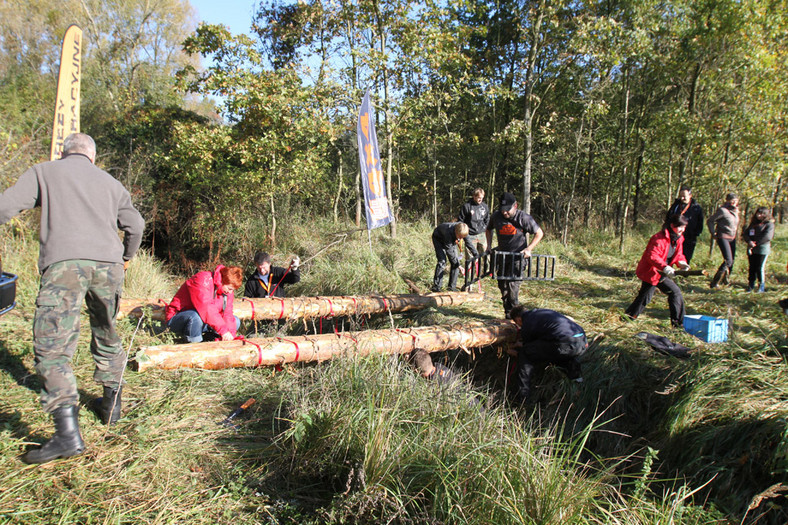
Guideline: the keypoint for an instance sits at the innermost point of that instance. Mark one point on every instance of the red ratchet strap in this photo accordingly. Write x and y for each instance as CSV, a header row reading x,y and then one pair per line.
x,y
259,348
294,344
280,282
282,312
407,333
342,334
385,304
251,303
355,306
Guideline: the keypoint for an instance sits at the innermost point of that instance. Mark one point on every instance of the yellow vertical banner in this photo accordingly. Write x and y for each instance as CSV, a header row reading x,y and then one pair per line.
x,y
68,84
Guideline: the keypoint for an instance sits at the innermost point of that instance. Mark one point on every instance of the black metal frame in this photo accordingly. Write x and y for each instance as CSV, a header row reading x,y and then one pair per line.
x,y
534,268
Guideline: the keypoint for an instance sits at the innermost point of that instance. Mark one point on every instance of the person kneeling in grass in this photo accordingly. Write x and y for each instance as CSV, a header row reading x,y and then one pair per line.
x,y
204,305
655,269
546,337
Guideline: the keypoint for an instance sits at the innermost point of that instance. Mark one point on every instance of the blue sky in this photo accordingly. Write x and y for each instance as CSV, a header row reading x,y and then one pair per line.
x,y
236,14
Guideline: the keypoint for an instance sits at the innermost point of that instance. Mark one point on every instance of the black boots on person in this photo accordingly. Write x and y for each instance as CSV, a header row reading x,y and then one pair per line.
x,y
107,408
721,277
67,440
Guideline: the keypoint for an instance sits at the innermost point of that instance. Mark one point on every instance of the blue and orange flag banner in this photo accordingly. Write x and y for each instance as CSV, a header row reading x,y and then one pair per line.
x,y
375,194
68,84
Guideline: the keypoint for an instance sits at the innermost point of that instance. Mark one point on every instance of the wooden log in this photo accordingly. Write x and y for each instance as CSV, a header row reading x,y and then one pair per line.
x,y
277,350
271,308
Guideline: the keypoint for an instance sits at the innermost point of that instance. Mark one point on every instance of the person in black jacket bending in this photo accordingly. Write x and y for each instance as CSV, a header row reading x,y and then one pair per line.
x,y
546,337
267,280
445,239
688,207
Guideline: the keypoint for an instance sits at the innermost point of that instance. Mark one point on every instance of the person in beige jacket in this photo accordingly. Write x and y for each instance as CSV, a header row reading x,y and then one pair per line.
x,y
723,226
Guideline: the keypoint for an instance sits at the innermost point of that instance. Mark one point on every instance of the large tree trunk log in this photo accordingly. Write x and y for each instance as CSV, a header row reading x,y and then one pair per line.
x,y
276,350
310,307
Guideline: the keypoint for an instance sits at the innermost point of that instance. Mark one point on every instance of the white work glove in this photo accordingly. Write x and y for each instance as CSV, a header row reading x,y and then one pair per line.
x,y
684,266
295,263
668,270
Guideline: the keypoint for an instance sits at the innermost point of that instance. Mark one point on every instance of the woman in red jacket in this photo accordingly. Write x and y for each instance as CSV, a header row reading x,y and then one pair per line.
x,y
655,269
204,304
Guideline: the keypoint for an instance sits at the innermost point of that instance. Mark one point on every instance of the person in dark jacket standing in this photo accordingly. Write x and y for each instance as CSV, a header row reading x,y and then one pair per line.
x,y
723,226
655,269
445,239
688,207
267,280
511,228
758,236
546,337
476,215
81,258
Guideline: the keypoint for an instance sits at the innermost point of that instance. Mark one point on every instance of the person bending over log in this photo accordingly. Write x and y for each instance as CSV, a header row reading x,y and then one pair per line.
x,y
655,269
204,305
546,337
445,239
81,259
267,280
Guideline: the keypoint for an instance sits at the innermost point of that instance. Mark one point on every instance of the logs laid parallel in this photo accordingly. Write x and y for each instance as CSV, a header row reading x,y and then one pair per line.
x,y
272,308
271,351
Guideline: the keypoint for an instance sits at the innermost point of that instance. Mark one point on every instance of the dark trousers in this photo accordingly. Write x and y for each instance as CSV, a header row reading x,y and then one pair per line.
x,y
510,294
728,250
667,286
535,355
757,263
443,254
689,247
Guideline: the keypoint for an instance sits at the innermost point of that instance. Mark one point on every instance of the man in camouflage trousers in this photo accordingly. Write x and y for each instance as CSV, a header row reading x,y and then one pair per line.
x,y
81,258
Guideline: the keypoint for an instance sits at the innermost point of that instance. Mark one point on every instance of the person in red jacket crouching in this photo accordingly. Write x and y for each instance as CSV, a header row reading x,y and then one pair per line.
x,y
655,269
204,305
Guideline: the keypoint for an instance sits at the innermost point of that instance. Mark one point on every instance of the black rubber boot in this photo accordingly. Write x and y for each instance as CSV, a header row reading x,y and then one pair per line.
x,y
107,408
721,277
65,443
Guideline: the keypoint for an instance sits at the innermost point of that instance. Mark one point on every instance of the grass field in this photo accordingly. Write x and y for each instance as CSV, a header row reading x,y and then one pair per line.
x,y
645,439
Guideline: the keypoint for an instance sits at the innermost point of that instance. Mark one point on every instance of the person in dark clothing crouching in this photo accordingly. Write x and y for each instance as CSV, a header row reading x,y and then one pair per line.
x,y
445,239
428,370
267,280
546,337
655,269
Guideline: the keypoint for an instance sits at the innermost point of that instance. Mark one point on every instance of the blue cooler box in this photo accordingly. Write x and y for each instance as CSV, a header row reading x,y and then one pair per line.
x,y
707,328
7,292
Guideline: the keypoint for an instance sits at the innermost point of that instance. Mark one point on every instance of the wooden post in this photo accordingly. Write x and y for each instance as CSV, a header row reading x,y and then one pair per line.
x,y
271,351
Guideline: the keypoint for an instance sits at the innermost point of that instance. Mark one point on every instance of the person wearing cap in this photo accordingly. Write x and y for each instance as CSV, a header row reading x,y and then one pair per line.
x,y
476,215
267,280
723,226
688,207
546,337
445,239
511,226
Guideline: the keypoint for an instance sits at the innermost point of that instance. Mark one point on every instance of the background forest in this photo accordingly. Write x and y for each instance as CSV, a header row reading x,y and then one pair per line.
x,y
592,113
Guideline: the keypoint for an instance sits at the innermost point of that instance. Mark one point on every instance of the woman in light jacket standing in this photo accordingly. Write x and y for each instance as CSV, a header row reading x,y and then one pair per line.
x,y
723,226
758,236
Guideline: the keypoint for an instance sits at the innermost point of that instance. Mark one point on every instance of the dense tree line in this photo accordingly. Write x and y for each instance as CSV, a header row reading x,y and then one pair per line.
x,y
593,113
